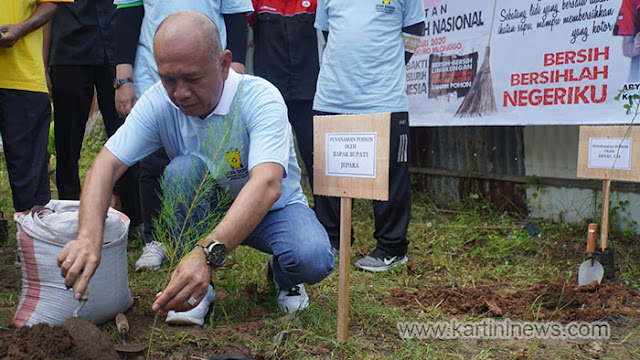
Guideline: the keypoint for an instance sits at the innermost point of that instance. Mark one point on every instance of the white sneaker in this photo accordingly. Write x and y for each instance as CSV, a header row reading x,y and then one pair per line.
x,y
289,300
152,256
292,299
196,315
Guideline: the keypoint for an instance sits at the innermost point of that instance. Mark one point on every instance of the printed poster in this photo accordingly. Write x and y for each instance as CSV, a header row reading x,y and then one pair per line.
x,y
523,62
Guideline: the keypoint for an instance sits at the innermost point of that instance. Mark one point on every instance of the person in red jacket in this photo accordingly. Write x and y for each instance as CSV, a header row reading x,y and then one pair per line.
x,y
286,54
628,26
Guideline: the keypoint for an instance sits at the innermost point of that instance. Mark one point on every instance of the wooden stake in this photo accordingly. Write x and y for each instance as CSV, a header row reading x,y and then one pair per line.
x,y
345,262
604,216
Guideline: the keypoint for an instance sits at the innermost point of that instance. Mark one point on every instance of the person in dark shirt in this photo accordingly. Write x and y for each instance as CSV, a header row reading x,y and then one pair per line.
x,y
286,54
81,59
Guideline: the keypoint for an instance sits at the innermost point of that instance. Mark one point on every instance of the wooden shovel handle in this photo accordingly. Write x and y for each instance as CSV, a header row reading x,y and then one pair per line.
x,y
122,323
604,227
591,238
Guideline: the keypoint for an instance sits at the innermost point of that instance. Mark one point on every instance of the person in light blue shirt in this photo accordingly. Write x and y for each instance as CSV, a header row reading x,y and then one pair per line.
x,y
145,72
210,120
250,113
136,23
363,72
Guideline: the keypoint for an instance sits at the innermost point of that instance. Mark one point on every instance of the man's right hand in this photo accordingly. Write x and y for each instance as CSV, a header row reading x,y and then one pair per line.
x,y
78,261
125,99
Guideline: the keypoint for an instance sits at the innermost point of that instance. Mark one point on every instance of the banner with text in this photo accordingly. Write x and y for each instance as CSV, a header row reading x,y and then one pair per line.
x,y
522,62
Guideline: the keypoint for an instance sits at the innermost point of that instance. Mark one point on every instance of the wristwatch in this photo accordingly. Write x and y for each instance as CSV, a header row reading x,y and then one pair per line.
x,y
119,82
215,253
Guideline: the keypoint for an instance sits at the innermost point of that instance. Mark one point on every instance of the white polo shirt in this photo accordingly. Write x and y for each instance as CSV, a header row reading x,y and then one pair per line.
x,y
249,126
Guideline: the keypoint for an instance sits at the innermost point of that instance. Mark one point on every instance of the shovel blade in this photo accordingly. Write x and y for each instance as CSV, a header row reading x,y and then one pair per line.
x,y
590,271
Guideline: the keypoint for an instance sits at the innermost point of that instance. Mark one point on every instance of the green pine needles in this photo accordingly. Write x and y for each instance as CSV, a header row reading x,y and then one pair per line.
x,y
181,223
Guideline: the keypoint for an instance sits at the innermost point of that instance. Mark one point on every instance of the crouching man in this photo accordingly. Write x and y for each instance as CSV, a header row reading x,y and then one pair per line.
x,y
257,167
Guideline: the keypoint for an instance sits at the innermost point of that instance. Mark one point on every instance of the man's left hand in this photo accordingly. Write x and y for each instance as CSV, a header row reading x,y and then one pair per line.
x,y
191,278
11,33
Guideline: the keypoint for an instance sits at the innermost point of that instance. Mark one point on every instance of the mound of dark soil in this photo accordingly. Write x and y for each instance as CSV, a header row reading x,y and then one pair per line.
x,y
39,342
44,342
561,301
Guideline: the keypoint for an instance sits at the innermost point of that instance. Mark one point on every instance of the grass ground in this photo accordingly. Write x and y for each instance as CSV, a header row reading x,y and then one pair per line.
x,y
447,255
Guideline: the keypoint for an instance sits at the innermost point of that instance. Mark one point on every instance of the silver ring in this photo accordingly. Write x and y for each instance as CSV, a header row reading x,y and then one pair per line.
x,y
68,261
192,301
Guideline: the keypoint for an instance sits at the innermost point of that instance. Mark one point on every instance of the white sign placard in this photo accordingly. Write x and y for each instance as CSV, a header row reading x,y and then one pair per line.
x,y
610,153
351,154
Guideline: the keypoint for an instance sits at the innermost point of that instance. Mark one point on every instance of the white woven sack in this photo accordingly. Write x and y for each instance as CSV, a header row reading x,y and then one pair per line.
x,y
44,297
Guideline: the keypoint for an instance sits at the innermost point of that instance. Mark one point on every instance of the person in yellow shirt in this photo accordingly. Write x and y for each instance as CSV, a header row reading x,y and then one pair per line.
x,y
25,110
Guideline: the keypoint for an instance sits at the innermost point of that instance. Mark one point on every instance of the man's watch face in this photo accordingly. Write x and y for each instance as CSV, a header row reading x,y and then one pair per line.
x,y
217,254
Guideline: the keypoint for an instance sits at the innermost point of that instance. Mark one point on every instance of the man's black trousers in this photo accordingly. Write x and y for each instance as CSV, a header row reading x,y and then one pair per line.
x,y
73,88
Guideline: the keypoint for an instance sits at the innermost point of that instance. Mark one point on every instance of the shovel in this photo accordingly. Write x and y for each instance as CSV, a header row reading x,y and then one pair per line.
x,y
89,340
605,253
123,328
590,270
